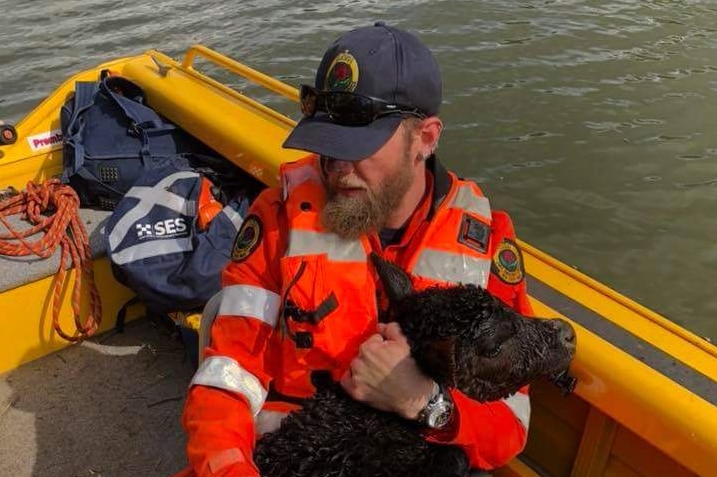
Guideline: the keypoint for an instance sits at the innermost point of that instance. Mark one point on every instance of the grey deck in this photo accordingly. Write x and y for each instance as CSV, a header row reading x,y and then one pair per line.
x,y
17,271
109,407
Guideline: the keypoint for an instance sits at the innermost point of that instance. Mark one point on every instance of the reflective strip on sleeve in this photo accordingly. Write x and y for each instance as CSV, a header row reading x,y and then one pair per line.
x,y
224,458
467,200
302,242
225,373
519,403
268,421
452,267
247,300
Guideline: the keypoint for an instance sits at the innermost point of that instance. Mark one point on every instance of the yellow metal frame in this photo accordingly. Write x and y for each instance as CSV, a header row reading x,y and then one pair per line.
x,y
240,69
617,396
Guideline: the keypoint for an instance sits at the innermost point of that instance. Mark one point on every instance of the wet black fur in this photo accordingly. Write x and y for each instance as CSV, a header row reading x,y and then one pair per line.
x,y
460,336
333,436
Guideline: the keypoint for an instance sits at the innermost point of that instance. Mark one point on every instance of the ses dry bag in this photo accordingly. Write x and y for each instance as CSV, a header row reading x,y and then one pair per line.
x,y
162,244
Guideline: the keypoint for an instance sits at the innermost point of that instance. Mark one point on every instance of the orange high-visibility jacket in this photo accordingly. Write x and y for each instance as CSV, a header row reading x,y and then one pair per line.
x,y
298,299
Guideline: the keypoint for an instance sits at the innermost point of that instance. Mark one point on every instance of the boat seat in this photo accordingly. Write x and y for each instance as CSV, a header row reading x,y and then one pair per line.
x,y
18,271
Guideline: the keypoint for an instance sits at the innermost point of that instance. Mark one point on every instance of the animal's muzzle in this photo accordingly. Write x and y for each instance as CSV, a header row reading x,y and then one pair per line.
x,y
566,332
565,382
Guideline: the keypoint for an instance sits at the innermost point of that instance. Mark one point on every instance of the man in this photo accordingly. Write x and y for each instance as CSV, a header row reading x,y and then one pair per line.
x,y
299,295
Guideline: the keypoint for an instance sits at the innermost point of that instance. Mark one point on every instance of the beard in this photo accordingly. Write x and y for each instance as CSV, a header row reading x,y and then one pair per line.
x,y
353,217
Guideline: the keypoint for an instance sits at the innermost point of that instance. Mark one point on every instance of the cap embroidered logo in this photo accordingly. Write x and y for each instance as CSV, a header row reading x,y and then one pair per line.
x,y
343,73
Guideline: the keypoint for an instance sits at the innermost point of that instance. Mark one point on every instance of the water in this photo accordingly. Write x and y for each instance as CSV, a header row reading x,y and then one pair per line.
x,y
592,122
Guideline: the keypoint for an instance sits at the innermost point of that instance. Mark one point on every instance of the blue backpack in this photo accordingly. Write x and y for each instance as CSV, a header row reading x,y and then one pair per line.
x,y
111,137
155,243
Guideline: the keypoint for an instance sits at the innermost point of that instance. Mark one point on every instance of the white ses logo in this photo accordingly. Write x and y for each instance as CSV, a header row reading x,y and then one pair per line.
x,y
163,228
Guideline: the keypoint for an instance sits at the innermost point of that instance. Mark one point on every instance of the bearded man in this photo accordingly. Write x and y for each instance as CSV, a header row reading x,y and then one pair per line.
x,y
300,298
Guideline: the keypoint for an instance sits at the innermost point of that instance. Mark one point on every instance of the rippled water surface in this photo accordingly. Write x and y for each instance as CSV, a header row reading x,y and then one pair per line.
x,y
592,122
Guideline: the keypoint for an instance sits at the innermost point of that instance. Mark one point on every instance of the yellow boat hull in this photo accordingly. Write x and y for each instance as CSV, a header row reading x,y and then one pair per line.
x,y
645,400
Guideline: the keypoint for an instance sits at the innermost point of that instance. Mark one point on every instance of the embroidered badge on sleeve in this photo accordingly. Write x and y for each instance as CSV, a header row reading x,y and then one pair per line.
x,y
248,238
508,263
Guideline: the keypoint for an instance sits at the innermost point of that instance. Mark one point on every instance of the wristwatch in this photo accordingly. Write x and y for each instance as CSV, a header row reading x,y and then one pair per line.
x,y
438,411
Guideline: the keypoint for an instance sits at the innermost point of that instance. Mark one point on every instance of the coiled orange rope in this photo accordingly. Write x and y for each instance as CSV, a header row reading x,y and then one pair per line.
x,y
52,208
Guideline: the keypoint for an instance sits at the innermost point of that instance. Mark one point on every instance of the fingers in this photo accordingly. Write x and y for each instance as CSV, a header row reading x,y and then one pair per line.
x,y
347,382
392,331
374,338
353,383
371,343
362,392
357,369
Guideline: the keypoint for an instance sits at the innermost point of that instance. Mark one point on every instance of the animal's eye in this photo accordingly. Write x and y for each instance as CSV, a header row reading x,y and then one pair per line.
x,y
492,353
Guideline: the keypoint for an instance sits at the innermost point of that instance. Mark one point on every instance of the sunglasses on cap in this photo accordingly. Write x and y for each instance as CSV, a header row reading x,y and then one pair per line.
x,y
349,109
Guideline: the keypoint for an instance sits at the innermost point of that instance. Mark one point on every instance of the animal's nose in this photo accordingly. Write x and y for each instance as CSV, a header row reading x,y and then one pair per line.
x,y
565,331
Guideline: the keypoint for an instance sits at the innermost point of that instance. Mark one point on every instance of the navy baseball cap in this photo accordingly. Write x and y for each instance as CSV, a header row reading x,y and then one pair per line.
x,y
378,61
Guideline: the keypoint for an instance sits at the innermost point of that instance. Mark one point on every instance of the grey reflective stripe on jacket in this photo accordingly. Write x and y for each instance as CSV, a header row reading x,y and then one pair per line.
x,y
149,197
302,242
251,301
456,267
467,200
225,373
452,267
519,403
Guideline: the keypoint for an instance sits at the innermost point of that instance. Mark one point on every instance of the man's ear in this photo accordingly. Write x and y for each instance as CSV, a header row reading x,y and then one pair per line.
x,y
429,134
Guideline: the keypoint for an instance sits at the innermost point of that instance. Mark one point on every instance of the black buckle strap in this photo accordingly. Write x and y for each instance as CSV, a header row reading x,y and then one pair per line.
x,y
305,339
289,310
308,316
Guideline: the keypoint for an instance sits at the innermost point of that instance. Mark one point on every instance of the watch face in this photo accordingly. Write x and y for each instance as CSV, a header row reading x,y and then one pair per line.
x,y
439,415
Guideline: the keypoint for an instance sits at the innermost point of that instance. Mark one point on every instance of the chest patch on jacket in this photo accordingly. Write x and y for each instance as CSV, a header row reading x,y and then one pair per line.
x,y
508,262
248,238
474,234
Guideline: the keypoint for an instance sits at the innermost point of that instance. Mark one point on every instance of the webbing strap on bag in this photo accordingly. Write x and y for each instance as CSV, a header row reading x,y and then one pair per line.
x,y
83,99
145,122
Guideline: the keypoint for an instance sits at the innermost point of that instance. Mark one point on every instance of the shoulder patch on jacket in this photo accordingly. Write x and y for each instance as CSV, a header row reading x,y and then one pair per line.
x,y
508,263
248,238
474,233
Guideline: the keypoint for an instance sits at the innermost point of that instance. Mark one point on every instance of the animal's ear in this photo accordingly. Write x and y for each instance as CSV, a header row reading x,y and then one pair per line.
x,y
438,358
395,281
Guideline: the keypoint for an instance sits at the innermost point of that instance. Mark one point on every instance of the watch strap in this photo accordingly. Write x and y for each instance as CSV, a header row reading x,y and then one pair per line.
x,y
439,402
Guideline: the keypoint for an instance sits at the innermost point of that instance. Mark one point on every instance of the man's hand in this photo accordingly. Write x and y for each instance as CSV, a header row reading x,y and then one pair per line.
x,y
385,376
